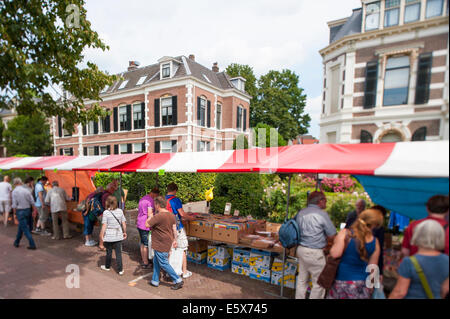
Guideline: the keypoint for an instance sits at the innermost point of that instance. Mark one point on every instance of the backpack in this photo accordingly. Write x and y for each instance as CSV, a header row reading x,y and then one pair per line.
x,y
289,233
95,207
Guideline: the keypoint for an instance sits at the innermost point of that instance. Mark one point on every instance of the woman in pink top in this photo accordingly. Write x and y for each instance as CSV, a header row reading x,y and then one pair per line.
x,y
146,206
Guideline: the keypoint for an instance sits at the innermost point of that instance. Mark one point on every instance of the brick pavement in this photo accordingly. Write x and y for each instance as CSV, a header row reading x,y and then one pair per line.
x,y
41,273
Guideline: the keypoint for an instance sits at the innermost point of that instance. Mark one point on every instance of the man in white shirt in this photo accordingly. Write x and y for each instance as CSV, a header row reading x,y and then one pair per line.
x,y
5,199
56,198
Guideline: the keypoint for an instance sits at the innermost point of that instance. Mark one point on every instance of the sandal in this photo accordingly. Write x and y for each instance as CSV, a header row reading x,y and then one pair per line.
x,y
101,248
145,266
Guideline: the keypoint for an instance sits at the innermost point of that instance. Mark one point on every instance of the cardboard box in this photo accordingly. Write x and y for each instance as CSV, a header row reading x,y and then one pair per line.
x,y
197,258
289,280
290,267
273,227
198,245
240,269
241,256
226,235
260,274
261,258
218,251
201,230
218,263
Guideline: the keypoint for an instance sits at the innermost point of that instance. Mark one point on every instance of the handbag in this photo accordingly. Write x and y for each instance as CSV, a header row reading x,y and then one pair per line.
x,y
176,260
328,274
151,252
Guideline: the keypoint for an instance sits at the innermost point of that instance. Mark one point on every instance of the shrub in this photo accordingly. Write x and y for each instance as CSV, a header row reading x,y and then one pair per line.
x,y
243,191
343,184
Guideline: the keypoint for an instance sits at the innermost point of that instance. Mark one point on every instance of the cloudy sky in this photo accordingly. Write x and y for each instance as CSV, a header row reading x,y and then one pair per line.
x,y
265,34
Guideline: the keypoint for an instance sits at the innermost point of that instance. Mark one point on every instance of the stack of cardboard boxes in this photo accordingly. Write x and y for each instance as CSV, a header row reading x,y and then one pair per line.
x,y
290,270
260,264
241,261
197,251
219,257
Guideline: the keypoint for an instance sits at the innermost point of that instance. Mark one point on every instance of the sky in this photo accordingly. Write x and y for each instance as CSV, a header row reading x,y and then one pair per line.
x,y
264,34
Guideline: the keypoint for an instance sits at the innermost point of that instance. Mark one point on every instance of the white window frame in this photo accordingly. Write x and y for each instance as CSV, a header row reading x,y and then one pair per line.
x,y
103,150
141,80
65,132
218,116
163,67
241,118
140,146
126,149
411,4
366,15
165,147
393,69
205,107
219,146
123,107
136,105
386,10
66,151
163,99
90,130
91,151
437,15
204,145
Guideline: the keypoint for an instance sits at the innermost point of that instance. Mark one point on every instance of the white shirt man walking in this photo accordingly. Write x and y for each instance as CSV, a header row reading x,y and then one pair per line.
x,y
56,198
5,199
315,229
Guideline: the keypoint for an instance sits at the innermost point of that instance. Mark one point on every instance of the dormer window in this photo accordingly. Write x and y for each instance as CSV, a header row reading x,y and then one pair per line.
x,y
165,70
372,16
239,83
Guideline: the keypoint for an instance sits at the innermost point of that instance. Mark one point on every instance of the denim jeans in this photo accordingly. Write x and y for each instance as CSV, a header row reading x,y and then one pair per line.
x,y
23,216
117,246
88,225
161,260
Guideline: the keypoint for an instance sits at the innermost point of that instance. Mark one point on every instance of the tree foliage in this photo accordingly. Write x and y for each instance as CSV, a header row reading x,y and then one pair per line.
x,y
281,104
269,139
41,45
28,135
277,100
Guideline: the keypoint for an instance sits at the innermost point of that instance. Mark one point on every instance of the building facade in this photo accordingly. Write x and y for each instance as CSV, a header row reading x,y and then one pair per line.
x,y
386,74
175,105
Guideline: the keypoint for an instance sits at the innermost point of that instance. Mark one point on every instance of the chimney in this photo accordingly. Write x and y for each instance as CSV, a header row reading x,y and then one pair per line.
x,y
192,57
215,67
132,65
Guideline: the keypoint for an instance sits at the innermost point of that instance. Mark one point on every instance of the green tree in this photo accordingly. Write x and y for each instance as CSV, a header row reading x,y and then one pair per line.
x,y
41,45
29,135
240,142
268,132
281,104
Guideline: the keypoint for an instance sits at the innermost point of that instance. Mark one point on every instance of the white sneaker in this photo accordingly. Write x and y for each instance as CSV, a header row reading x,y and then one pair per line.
x,y
187,275
90,243
45,233
103,267
120,272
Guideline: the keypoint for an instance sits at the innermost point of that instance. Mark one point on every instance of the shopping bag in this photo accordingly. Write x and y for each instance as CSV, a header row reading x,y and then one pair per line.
x,y
176,260
378,293
151,253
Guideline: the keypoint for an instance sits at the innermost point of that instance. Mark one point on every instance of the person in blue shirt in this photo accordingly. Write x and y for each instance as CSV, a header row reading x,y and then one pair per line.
x,y
43,211
429,237
175,206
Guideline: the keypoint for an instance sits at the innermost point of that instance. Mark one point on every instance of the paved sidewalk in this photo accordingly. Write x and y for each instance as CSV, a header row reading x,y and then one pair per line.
x,y
42,273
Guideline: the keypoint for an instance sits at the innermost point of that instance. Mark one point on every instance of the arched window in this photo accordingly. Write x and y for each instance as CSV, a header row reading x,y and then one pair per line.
x,y
391,137
420,134
366,137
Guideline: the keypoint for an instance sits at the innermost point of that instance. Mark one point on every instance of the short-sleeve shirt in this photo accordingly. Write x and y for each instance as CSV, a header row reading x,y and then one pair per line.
x,y
5,191
435,269
145,202
39,188
162,231
410,230
315,226
118,194
176,205
113,231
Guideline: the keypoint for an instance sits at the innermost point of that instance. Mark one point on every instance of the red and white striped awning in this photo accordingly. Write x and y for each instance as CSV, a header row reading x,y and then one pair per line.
x,y
67,163
412,159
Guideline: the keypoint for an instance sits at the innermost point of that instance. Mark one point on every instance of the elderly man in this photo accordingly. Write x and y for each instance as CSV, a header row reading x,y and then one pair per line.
x,y
316,229
56,198
22,200
351,217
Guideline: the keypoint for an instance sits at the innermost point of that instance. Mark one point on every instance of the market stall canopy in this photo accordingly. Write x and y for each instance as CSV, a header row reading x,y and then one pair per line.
x,y
67,163
408,159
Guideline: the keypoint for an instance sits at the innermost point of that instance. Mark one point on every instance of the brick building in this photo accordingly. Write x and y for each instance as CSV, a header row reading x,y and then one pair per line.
x,y
386,73
175,105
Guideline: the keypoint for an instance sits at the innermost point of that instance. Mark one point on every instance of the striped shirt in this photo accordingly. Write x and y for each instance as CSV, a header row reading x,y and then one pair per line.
x,y
113,230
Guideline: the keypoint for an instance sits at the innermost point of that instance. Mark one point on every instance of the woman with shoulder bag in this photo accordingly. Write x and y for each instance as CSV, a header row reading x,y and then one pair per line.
x,y
362,250
113,232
